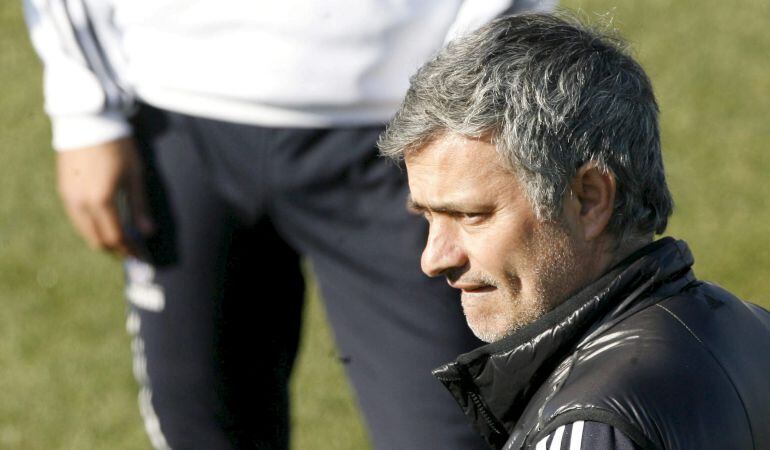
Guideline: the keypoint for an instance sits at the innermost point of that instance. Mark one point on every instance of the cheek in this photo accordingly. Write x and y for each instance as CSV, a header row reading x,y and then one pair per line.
x,y
497,259
502,249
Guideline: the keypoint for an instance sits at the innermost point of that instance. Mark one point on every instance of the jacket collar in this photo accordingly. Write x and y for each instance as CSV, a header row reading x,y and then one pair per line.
x,y
494,383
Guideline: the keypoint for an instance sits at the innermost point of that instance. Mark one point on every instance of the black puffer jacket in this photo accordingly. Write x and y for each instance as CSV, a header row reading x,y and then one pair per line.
x,y
673,362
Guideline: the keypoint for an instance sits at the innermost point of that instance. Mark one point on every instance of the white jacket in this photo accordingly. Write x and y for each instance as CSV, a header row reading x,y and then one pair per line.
x,y
293,63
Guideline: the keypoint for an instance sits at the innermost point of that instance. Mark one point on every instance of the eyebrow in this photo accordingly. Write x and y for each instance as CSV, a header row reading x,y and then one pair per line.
x,y
442,208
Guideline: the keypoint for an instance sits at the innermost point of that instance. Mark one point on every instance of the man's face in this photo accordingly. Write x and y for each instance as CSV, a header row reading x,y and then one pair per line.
x,y
485,238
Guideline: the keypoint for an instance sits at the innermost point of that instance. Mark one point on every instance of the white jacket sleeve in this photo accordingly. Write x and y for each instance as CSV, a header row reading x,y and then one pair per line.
x,y
82,94
475,13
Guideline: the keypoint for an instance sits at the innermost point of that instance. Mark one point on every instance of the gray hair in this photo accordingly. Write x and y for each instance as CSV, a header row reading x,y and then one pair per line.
x,y
551,95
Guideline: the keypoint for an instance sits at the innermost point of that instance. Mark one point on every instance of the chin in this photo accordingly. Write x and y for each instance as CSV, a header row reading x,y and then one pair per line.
x,y
488,335
491,321
486,325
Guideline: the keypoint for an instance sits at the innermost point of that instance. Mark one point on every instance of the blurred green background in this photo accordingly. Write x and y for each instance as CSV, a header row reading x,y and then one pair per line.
x,y
65,375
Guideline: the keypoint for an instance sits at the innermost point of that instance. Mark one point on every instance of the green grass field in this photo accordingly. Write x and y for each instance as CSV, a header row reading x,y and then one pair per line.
x,y
65,375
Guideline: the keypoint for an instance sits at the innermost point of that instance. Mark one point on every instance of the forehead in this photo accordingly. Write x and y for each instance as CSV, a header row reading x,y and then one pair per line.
x,y
454,168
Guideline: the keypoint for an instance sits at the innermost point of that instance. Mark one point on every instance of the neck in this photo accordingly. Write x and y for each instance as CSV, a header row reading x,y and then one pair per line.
x,y
614,251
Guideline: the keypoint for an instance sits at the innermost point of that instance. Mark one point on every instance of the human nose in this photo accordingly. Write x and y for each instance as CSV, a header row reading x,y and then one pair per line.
x,y
442,251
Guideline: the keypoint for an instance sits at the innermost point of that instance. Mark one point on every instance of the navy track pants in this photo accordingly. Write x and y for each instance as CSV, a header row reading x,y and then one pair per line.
x,y
216,312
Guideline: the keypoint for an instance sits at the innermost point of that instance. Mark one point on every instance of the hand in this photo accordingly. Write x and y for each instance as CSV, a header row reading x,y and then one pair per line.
x,y
90,180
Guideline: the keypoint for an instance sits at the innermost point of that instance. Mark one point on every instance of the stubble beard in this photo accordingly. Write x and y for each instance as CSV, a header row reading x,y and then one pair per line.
x,y
555,264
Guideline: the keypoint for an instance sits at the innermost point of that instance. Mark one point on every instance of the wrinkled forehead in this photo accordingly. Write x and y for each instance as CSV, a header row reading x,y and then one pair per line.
x,y
453,153
454,168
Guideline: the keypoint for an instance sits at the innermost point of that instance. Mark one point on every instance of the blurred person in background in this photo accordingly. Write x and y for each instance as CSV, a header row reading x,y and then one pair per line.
x,y
532,148
214,144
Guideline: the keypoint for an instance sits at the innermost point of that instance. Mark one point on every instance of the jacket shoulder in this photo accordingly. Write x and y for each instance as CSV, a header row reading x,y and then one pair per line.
x,y
664,374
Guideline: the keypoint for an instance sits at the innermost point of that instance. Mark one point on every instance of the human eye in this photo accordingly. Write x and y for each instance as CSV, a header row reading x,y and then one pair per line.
x,y
473,218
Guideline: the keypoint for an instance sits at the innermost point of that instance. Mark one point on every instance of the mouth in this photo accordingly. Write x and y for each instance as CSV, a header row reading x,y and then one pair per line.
x,y
473,288
475,296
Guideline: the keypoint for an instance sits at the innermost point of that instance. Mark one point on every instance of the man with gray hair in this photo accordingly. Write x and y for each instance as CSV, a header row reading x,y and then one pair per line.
x,y
532,149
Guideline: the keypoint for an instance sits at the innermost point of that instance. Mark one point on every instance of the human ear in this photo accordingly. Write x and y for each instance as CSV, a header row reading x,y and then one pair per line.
x,y
593,200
